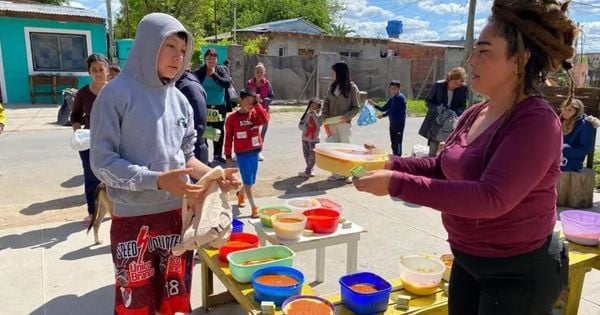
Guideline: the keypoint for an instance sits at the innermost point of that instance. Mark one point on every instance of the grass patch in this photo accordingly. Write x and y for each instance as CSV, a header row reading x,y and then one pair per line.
x,y
295,109
414,108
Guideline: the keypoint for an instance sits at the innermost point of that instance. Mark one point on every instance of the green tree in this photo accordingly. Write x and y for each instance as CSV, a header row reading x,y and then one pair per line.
x,y
256,45
201,18
190,13
341,30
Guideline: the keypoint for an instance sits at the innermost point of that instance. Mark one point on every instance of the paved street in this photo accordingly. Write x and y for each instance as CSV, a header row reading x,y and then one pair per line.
x,y
50,268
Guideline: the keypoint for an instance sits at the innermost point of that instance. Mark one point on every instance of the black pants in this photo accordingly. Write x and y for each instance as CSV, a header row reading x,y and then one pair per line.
x,y
90,182
525,284
201,150
396,134
218,145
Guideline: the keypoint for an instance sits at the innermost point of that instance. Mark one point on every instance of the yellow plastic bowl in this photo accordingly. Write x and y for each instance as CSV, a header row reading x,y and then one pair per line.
x,y
339,158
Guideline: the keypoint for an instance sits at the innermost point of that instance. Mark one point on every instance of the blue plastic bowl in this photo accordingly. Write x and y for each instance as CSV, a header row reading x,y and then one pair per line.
x,y
237,226
365,303
276,294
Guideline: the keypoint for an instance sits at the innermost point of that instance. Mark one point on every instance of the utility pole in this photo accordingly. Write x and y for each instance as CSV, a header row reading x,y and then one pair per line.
x,y
469,45
235,22
470,32
111,47
216,32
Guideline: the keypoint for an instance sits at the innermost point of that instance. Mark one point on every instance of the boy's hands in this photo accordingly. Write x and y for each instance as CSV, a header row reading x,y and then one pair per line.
x,y
232,180
379,116
171,182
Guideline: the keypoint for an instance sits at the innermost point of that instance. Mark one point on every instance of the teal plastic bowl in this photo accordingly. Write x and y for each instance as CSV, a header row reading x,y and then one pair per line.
x,y
280,255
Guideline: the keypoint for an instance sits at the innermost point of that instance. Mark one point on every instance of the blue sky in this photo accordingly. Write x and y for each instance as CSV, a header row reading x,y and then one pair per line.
x,y
425,19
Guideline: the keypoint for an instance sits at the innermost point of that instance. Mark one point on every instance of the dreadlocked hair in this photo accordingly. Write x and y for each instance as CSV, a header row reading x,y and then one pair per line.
x,y
542,28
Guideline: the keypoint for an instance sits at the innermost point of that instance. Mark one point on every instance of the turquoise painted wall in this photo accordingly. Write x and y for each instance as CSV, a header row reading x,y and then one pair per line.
x,y
14,55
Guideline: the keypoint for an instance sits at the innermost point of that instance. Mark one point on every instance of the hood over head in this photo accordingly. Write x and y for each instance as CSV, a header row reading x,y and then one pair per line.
x,y
151,33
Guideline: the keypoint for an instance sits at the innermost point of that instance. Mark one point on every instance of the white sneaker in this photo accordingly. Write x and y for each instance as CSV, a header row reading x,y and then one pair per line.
x,y
348,180
303,174
312,174
261,157
334,177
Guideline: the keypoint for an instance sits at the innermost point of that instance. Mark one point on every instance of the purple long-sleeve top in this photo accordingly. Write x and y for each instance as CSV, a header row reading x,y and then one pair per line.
x,y
501,208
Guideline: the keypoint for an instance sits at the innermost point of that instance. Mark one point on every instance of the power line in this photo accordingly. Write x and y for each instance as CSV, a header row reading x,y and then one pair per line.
x,y
597,6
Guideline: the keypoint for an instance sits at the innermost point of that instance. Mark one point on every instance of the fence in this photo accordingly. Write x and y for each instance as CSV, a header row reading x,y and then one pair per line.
x,y
298,78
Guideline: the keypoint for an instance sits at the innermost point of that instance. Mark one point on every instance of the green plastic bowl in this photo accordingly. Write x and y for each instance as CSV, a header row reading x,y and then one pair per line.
x,y
265,219
281,255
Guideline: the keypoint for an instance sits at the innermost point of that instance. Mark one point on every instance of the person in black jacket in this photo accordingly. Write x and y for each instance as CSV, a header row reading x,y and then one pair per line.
x,y
190,86
216,81
451,93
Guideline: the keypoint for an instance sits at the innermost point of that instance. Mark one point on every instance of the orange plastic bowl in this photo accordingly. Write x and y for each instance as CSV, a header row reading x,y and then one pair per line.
x,y
238,241
321,220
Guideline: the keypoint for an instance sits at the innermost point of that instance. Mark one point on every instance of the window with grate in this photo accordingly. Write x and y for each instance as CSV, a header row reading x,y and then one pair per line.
x,y
58,52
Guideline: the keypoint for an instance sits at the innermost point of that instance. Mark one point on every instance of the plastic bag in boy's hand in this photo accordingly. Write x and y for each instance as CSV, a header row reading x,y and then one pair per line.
x,y
80,140
367,115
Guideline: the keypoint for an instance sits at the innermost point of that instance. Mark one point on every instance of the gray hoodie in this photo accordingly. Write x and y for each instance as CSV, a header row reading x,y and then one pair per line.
x,y
142,125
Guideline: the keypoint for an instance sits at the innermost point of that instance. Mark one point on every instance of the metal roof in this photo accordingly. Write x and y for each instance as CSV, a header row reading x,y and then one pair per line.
x,y
47,9
297,25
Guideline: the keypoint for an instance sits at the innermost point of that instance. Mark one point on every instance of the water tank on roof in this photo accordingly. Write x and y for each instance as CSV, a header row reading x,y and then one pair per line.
x,y
394,28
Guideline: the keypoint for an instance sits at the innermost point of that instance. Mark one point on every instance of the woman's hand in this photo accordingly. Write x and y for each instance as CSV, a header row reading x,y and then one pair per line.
x,y
171,182
76,126
232,180
375,182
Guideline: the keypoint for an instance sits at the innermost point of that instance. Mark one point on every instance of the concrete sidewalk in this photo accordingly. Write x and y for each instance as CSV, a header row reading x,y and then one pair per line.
x,y
52,269
35,117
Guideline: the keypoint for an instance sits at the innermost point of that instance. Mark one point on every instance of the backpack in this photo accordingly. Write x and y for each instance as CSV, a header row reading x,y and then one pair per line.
x,y
444,124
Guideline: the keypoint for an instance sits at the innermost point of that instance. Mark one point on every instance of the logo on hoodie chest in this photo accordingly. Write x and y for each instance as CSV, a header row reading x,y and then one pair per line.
x,y
182,122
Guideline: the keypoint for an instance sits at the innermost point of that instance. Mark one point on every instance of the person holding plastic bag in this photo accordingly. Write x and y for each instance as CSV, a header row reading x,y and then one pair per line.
x,y
395,109
340,106
445,97
97,66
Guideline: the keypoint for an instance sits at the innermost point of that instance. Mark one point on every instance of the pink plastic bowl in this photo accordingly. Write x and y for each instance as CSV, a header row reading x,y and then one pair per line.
x,y
581,227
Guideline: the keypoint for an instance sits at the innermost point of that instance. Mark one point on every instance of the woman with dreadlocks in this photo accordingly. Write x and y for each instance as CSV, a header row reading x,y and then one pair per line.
x,y
495,180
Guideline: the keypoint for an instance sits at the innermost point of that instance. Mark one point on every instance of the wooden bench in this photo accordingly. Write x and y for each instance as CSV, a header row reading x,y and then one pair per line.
x,y
243,293
581,260
53,82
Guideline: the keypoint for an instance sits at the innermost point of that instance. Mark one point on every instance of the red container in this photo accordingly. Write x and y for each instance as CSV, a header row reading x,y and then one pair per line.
x,y
330,204
322,220
236,243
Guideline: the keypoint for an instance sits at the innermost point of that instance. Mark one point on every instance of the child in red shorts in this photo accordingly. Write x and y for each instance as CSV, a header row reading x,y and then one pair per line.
x,y
142,148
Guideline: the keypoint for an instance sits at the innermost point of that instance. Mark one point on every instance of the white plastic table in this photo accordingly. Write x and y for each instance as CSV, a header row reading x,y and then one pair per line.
x,y
319,242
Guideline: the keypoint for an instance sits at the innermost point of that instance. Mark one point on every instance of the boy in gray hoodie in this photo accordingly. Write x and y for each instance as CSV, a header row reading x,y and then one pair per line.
x,y
142,147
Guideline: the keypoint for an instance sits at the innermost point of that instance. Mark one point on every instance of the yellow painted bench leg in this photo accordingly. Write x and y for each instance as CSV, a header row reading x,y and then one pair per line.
x,y
207,285
576,277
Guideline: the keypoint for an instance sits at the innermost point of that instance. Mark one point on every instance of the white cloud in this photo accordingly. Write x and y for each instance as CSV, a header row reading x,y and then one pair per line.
x,y
457,29
76,4
442,8
371,21
591,33
98,6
